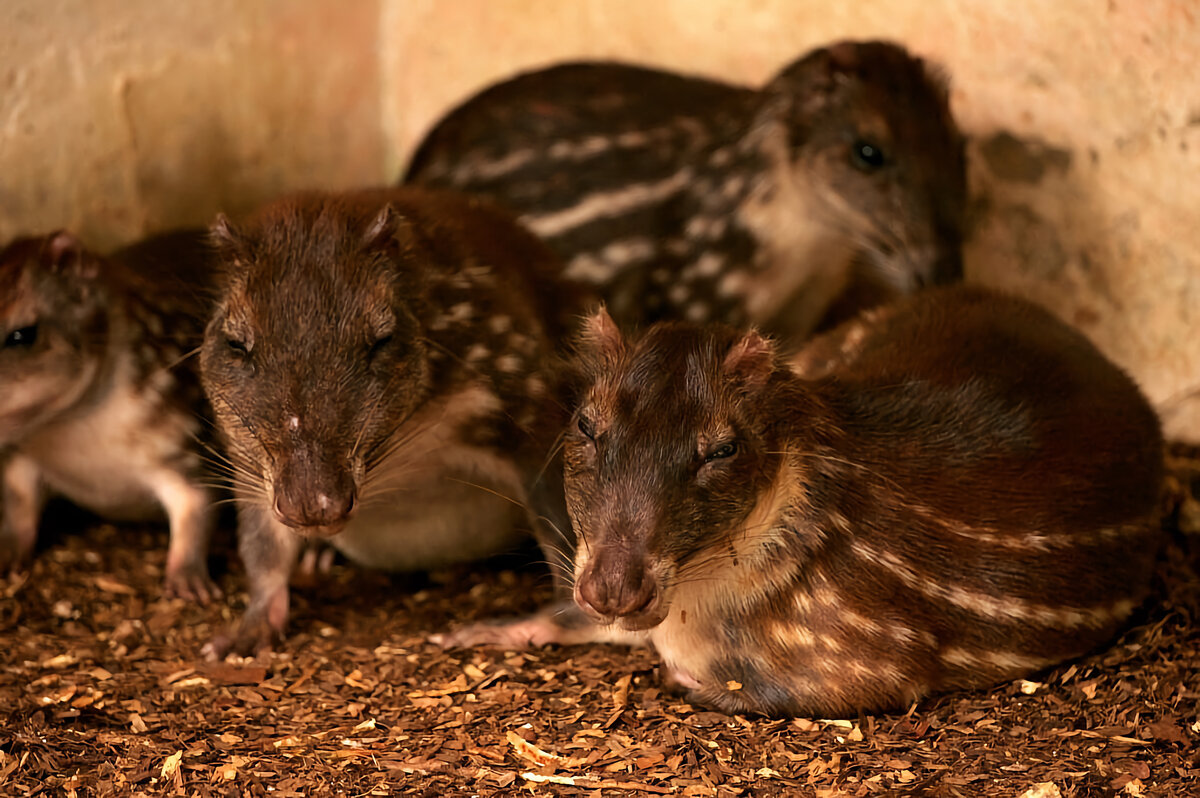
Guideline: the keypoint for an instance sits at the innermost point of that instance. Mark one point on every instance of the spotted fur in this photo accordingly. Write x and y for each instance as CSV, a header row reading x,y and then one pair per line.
x,y
382,367
99,399
968,495
686,198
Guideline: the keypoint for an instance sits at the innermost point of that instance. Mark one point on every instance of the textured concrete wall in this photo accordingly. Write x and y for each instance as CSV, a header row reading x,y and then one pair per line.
x,y
122,116
119,117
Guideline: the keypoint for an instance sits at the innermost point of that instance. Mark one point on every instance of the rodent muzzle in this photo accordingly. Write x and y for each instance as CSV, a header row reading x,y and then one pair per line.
x,y
312,498
615,588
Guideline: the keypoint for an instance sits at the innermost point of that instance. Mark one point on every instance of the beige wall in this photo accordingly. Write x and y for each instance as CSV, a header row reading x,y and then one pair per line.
x,y
120,116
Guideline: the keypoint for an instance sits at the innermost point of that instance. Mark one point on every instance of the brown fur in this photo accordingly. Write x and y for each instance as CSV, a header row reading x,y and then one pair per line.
x,y
381,367
681,197
966,496
100,401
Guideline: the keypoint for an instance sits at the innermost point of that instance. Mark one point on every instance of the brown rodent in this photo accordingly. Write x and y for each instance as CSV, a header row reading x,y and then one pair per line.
x,y
100,402
968,494
382,368
839,184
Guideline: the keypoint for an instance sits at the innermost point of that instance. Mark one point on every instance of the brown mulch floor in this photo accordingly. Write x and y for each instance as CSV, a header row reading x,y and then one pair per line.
x,y
102,693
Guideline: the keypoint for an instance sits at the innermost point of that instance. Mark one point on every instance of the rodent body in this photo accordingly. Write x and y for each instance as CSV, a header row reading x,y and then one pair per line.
x,y
382,369
101,403
841,183
966,494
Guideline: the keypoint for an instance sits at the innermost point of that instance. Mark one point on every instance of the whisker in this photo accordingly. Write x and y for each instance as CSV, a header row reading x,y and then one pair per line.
x,y
486,489
185,356
554,527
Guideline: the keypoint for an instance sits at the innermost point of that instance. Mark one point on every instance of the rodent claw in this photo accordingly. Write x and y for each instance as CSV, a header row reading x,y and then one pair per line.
x,y
192,584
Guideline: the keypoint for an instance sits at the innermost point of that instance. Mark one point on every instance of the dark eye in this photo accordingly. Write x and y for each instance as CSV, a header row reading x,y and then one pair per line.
x,y
866,156
237,347
377,347
722,452
25,337
586,428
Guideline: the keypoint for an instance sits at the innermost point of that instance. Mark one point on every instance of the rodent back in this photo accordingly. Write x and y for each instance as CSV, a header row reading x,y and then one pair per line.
x,y
992,405
532,141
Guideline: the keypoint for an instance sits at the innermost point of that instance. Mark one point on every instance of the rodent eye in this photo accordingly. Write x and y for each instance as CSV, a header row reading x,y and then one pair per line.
x,y
586,428
23,337
377,347
866,156
237,347
722,452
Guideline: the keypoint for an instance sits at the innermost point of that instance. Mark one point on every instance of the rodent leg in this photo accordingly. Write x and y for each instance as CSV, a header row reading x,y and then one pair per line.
x,y
188,510
561,623
20,510
316,561
269,551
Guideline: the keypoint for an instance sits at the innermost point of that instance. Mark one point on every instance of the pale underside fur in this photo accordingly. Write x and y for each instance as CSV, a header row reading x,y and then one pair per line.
x,y
433,500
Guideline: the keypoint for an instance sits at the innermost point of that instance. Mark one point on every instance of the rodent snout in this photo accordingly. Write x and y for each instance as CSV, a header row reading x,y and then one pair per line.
x,y
619,588
314,499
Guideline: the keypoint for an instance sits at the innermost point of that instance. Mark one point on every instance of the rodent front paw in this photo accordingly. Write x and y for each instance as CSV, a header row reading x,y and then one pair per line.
x,y
521,633
248,638
192,583
14,556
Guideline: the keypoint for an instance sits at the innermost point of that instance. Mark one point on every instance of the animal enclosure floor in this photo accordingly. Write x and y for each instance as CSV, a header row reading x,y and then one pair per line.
x,y
103,692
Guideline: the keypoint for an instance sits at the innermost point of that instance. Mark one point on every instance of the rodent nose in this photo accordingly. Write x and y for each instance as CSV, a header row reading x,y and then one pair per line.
x,y
312,509
614,589
310,496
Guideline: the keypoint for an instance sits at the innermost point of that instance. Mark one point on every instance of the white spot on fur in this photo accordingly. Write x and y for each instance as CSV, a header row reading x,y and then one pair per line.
x,y
710,264
509,364
607,204
698,311
1003,608
733,284
1007,661
678,293
535,386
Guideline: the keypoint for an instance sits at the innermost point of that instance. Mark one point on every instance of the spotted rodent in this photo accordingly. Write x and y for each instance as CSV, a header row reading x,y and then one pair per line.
x,y
967,494
100,400
382,368
839,184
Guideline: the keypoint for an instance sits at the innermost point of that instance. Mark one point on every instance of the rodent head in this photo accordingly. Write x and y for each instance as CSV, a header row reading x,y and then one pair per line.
x,y
869,133
315,355
53,325
671,448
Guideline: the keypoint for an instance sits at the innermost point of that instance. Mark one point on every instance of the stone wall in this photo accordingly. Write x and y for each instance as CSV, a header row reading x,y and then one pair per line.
x,y
1084,119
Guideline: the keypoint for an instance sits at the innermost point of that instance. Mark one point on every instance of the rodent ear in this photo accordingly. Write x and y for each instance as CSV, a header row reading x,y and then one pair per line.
x,y
600,337
65,254
235,323
751,360
228,238
802,90
385,229
843,56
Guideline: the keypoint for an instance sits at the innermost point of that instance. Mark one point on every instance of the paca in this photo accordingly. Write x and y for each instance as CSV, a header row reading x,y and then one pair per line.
x,y
839,184
382,368
964,492
99,399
